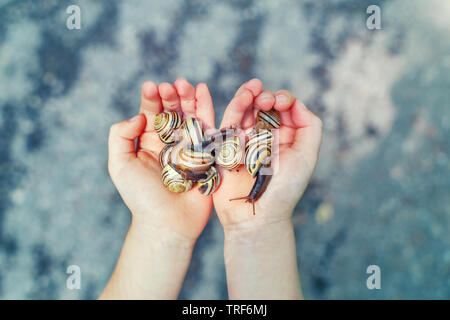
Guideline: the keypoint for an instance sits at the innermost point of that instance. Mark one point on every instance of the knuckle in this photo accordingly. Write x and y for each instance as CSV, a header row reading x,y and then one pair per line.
x,y
285,92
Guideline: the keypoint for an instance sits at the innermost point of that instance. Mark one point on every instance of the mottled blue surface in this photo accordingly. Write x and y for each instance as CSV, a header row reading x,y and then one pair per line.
x,y
380,194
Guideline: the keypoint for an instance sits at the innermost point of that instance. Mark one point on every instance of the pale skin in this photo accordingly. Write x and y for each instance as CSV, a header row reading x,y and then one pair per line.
x,y
260,256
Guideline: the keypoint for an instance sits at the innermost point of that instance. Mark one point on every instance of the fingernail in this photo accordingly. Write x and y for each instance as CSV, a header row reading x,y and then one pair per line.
x,y
281,99
134,118
265,96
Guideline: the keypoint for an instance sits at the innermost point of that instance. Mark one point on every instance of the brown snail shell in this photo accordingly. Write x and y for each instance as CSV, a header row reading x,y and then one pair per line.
x,y
210,184
164,155
229,153
268,119
258,150
191,159
193,131
166,124
173,180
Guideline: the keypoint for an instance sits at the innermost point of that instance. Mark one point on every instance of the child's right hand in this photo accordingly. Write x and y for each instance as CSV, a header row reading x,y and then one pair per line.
x,y
137,175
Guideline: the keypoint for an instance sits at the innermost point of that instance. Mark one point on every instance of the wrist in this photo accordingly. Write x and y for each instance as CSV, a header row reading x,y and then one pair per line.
x,y
257,233
160,238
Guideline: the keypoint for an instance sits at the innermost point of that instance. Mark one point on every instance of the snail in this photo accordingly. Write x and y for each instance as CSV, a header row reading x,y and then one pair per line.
x,y
173,180
192,131
166,124
229,152
208,185
268,119
164,155
258,150
189,160
193,161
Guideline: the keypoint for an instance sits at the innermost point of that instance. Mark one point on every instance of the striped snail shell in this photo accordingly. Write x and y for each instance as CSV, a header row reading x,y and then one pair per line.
x,y
229,153
164,155
208,185
192,131
258,150
173,180
268,119
193,159
165,125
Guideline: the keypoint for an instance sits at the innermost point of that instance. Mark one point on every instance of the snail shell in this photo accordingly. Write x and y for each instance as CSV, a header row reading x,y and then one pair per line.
x,y
165,125
192,131
208,185
173,180
229,153
258,150
164,155
268,119
192,159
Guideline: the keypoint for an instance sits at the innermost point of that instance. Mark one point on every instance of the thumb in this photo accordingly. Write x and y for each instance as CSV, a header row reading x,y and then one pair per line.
x,y
121,145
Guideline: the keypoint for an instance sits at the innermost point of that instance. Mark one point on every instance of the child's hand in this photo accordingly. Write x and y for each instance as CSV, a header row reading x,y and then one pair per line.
x,y
299,141
137,175
260,254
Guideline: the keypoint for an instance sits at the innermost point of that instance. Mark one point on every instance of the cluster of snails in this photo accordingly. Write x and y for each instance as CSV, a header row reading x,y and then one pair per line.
x,y
189,155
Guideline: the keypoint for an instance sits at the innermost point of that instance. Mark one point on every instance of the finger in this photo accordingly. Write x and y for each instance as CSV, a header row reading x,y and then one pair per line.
x,y
169,96
150,142
186,92
308,136
283,100
121,144
286,136
234,113
254,85
205,108
150,100
265,100
286,119
248,120
150,103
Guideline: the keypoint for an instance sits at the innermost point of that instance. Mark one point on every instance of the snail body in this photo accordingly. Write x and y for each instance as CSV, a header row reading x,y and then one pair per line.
x,y
166,124
258,151
260,185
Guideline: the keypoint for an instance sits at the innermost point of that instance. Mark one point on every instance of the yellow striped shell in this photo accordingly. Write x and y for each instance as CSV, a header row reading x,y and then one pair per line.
x,y
258,150
210,184
192,131
229,153
165,125
173,180
192,159
268,119
164,155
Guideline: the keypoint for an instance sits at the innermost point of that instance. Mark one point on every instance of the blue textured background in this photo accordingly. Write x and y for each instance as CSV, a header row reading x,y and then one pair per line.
x,y
380,194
